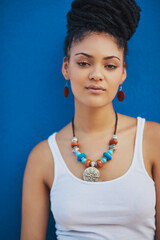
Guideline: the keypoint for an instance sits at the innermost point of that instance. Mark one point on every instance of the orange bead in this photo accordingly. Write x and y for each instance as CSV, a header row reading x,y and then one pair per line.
x,y
74,144
87,163
113,141
99,163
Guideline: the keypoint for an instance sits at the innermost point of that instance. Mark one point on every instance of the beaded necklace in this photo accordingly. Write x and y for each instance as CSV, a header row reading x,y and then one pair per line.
x,y
91,173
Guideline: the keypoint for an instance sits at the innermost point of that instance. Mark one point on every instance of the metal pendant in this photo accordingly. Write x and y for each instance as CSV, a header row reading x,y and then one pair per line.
x,y
91,174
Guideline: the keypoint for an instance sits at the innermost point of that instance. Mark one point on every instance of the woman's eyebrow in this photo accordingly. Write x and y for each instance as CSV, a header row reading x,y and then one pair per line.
x,y
89,56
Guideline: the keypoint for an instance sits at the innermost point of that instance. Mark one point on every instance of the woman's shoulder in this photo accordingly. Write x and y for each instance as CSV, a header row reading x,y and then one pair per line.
x,y
151,138
151,129
40,162
150,126
152,133
40,151
41,158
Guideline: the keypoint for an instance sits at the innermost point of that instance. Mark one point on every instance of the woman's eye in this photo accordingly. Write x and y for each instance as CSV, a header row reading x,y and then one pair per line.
x,y
83,63
110,66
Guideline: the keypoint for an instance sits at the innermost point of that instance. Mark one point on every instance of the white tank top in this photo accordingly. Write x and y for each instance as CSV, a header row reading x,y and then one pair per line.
x,y
119,209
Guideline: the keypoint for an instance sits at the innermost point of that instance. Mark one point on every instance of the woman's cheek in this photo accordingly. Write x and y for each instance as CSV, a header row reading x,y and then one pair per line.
x,y
75,85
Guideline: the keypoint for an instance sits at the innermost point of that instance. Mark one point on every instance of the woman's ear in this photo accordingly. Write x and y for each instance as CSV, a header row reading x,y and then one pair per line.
x,y
65,68
124,74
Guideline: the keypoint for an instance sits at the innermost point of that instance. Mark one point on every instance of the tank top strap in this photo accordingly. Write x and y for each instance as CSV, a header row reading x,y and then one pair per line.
x,y
59,170
138,150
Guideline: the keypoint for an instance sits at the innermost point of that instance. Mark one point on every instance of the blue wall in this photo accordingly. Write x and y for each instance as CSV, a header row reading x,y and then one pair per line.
x,y
31,88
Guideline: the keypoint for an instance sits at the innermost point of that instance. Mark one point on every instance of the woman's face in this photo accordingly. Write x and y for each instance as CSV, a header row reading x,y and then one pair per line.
x,y
95,68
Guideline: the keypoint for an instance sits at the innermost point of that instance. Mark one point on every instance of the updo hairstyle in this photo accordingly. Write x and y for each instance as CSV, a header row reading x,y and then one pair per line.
x,y
118,18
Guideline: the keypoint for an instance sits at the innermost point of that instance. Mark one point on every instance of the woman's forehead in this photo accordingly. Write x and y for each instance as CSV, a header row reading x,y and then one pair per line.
x,y
97,43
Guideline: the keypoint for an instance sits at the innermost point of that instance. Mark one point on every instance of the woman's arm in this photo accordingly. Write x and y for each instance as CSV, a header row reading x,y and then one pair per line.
x,y
157,184
35,198
152,137
156,174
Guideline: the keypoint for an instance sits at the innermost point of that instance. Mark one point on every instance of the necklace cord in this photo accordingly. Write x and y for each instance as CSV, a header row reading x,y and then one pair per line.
x,y
73,127
115,129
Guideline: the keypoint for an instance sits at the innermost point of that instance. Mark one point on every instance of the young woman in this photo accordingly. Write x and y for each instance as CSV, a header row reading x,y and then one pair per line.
x,y
101,172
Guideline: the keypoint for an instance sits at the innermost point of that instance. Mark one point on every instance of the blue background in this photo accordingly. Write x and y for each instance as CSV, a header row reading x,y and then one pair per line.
x,y
32,104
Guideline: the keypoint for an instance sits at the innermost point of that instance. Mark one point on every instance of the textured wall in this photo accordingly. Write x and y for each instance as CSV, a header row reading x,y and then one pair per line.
x,y
31,88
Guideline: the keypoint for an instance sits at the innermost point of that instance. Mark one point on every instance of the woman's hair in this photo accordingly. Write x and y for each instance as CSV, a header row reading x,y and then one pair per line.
x,y
118,18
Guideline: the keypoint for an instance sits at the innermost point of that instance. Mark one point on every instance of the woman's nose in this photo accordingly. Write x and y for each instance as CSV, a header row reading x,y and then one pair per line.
x,y
96,74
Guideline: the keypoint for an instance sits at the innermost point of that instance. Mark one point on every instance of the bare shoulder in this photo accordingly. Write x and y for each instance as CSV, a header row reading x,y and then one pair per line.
x,y
41,159
40,151
152,129
151,134
152,139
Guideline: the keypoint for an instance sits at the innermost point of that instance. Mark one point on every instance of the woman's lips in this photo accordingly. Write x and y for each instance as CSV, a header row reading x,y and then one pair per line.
x,y
95,89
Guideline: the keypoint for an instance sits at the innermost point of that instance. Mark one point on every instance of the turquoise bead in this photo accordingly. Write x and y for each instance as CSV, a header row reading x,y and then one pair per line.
x,y
80,156
110,151
104,160
107,155
78,153
83,160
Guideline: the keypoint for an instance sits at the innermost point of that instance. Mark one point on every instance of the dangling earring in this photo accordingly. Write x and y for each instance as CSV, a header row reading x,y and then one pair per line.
x,y
121,94
66,90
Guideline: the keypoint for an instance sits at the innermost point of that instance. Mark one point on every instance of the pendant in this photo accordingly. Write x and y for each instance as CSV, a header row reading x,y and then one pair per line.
x,y
91,174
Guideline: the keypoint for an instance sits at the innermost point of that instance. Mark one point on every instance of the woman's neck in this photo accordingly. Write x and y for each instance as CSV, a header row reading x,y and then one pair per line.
x,y
94,120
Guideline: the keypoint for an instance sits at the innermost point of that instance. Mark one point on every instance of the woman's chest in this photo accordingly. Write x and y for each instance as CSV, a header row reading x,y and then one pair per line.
x,y
125,201
122,158
119,198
